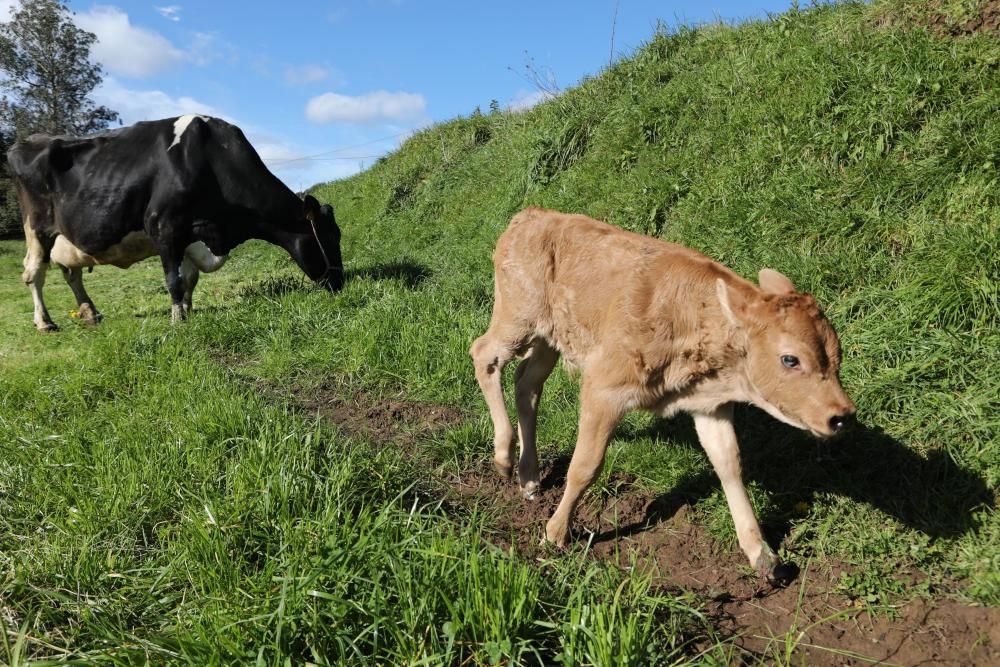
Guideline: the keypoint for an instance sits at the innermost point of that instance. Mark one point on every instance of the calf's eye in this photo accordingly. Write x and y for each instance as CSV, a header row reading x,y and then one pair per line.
x,y
788,361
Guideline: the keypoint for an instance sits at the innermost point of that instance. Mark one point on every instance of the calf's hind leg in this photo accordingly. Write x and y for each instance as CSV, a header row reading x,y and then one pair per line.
x,y
529,378
490,353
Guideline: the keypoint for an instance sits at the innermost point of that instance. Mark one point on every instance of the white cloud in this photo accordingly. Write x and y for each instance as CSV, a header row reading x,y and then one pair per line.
x,y
135,105
282,157
5,7
297,76
372,107
125,49
524,100
170,12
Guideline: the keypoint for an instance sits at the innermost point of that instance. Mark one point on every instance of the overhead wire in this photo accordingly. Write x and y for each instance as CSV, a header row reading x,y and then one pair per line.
x,y
320,156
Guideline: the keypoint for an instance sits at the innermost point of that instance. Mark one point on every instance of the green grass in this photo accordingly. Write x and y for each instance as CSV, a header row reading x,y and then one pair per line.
x,y
159,501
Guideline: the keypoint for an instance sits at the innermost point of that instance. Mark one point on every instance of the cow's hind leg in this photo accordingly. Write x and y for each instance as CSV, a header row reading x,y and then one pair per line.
x,y
190,275
490,353
175,284
36,265
85,306
529,378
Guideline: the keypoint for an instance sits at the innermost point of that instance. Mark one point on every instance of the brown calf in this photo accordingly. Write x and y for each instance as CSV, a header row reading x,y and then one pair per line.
x,y
653,326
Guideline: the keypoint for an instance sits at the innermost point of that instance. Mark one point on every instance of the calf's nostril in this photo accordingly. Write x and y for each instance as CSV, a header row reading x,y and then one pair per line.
x,y
839,422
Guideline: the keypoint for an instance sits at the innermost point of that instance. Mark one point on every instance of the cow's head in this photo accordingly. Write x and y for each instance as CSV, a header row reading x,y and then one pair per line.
x,y
792,355
318,251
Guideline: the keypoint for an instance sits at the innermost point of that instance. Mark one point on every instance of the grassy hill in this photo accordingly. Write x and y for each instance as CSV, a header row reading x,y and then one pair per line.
x,y
297,476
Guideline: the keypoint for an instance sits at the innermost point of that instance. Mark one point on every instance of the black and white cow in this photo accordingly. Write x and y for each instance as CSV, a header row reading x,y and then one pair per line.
x,y
187,189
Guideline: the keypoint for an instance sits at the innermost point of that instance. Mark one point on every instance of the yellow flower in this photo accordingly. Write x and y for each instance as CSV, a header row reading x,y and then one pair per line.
x,y
75,314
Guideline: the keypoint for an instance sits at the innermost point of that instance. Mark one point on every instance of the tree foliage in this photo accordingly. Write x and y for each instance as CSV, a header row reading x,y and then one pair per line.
x,y
46,78
47,73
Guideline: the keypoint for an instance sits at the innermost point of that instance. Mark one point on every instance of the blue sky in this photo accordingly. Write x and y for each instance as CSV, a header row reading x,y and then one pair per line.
x,y
346,82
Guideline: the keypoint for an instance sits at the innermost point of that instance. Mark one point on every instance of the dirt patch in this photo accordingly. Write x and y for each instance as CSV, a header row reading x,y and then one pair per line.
x,y
947,18
809,622
381,420
983,17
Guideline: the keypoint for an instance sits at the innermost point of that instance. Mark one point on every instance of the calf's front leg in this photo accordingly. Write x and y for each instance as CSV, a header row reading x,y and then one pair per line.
x,y
718,438
599,414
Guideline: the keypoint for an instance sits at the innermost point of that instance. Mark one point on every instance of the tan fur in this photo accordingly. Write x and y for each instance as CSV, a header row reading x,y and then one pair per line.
x,y
653,326
135,247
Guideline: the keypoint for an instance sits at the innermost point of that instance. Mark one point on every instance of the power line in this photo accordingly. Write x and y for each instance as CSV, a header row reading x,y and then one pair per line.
x,y
316,156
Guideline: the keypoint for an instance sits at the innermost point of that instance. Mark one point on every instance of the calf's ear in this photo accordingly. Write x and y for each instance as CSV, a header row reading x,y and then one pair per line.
x,y
773,282
310,208
733,303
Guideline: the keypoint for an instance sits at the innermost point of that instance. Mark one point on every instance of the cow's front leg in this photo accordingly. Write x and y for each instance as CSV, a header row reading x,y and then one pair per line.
x,y
599,414
175,285
85,307
718,438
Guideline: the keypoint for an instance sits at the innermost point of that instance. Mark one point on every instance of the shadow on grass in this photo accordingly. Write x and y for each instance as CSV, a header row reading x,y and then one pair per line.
x,y
931,494
411,273
276,286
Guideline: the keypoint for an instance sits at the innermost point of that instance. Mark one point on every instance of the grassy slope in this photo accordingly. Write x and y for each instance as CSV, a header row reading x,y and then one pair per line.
x,y
861,161
153,501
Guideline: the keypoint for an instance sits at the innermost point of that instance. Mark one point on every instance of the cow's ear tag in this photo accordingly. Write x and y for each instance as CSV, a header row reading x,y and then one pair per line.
x,y
773,282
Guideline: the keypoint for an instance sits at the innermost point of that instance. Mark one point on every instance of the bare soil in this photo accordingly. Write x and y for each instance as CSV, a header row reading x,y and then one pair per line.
x,y
380,420
633,528
829,628
984,18
945,18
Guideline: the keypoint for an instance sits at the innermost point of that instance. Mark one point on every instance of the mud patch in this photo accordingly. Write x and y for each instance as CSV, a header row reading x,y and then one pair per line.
x,y
380,420
809,622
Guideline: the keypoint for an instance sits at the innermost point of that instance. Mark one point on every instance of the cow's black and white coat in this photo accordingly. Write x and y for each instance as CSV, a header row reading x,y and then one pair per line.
x,y
187,189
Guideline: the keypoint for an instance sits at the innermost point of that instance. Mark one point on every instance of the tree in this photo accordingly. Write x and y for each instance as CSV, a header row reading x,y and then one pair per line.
x,y
47,75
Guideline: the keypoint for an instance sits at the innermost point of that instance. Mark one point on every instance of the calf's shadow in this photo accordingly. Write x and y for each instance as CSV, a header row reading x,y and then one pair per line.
x,y
931,494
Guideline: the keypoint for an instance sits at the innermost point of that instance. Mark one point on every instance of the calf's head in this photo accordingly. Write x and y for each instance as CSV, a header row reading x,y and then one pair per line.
x,y
792,355
318,250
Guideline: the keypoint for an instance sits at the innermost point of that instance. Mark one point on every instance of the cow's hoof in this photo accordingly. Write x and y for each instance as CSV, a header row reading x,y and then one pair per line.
x,y
47,327
506,471
89,314
530,490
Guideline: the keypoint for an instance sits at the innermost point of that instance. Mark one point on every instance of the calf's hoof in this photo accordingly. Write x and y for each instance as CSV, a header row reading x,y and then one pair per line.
x,y
505,470
46,327
556,536
771,569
